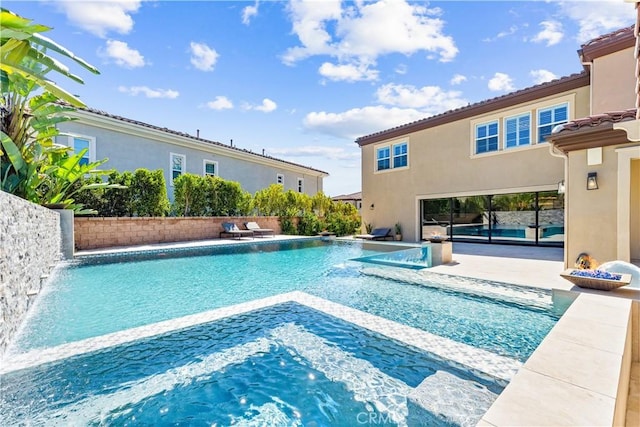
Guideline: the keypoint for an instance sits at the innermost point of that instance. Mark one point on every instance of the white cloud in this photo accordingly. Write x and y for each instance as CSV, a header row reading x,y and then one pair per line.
x,y
149,93
512,30
542,76
331,153
249,12
551,33
501,82
363,31
202,56
122,54
360,121
220,103
598,17
401,69
457,79
347,72
429,99
100,17
267,106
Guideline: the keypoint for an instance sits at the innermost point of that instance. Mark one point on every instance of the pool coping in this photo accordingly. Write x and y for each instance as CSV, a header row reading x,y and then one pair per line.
x,y
558,385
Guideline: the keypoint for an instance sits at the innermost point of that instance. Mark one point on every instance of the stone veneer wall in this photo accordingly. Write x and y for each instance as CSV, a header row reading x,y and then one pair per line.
x,y
29,249
96,233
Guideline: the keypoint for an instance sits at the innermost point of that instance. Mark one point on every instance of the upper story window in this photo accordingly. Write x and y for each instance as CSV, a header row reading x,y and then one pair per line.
x,y
517,130
280,179
392,156
548,118
487,137
178,163
210,168
384,158
300,185
400,156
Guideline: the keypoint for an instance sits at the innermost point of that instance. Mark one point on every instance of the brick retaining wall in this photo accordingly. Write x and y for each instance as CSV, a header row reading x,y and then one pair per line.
x,y
96,233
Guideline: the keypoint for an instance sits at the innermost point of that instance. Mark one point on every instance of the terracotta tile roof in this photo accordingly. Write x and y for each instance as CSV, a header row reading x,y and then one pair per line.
x,y
619,33
195,138
607,44
597,120
531,93
352,196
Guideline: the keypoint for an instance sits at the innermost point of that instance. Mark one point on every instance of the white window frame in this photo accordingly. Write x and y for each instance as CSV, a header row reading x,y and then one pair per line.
x,y
391,146
280,178
206,162
554,123
377,159
393,155
184,165
300,185
475,137
92,145
516,117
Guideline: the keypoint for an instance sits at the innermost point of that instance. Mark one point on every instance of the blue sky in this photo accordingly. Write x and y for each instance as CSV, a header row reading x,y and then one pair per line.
x,y
303,79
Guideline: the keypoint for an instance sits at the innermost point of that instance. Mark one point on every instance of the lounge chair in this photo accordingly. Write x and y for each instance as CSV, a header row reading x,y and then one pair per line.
x,y
259,232
376,234
230,229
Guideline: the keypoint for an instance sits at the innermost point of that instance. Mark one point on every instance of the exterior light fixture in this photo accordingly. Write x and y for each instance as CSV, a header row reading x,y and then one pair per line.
x,y
592,181
561,188
372,206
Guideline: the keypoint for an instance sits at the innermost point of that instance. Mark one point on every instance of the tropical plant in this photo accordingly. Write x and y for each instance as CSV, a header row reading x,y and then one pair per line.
x,y
21,41
31,166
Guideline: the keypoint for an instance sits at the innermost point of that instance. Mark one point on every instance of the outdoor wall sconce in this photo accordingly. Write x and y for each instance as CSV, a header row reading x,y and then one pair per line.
x,y
561,188
372,206
592,181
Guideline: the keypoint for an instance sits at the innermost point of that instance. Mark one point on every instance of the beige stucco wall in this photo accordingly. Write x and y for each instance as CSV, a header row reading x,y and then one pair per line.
x,y
612,81
441,164
635,210
592,215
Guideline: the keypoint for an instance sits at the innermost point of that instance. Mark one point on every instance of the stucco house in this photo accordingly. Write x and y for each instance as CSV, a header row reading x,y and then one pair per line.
x,y
131,144
500,171
354,199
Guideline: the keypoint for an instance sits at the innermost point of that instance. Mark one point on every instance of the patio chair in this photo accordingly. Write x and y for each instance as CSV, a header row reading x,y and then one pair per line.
x,y
230,229
376,234
259,232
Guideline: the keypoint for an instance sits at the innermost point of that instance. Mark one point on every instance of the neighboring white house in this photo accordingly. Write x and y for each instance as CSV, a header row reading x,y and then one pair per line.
x,y
130,145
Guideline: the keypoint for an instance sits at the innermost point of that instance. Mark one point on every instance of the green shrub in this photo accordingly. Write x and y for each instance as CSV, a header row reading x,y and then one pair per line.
x,y
118,201
286,225
309,225
149,193
190,195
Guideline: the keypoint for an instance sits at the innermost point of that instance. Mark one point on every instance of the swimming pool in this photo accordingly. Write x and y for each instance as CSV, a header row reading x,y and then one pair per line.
x,y
232,372
102,295
507,231
288,333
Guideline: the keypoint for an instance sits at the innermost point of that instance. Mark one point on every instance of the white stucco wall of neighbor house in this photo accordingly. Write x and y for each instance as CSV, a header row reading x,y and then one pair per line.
x,y
129,147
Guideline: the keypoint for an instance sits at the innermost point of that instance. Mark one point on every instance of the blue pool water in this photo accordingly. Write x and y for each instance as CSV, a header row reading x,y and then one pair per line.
x,y
506,231
88,299
283,365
